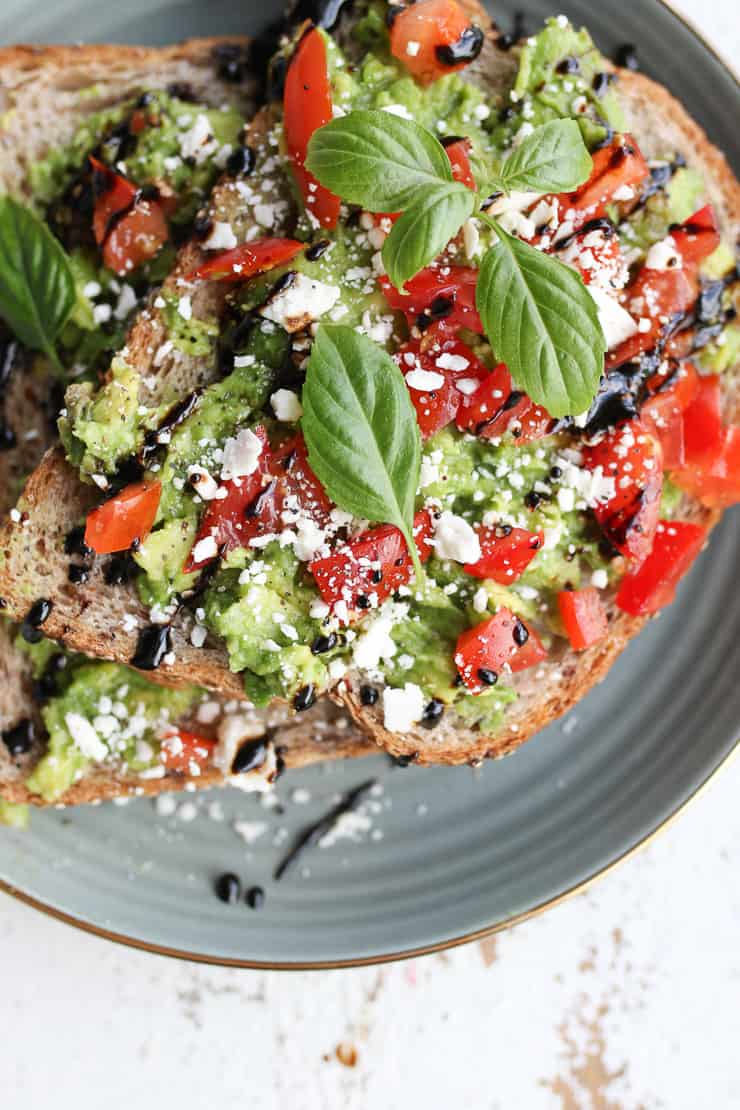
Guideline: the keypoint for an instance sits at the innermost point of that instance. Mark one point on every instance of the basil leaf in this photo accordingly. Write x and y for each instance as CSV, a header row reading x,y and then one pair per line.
x,y
37,289
377,160
361,431
542,322
553,159
425,229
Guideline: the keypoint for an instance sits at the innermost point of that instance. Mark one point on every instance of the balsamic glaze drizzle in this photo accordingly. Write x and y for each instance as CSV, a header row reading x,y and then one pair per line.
x,y
314,833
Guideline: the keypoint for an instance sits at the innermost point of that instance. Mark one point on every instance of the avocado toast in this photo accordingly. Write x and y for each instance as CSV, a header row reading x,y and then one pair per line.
x,y
94,94
527,537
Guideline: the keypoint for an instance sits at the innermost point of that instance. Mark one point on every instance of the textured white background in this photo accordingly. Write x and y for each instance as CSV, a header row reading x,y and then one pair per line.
x,y
626,997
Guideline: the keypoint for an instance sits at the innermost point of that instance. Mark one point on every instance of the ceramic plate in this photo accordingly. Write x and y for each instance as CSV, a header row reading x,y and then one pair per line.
x,y
452,852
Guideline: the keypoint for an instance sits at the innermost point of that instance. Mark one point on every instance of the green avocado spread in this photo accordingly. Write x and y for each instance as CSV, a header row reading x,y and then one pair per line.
x,y
261,598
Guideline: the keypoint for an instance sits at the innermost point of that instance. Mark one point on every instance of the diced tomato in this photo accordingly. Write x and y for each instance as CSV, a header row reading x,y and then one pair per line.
x,y
584,617
458,152
663,410
307,106
506,553
298,488
248,259
501,643
632,457
658,296
119,522
139,122
496,407
437,407
617,166
367,569
186,752
597,255
653,585
129,227
424,37
698,236
702,423
715,484
438,293
245,511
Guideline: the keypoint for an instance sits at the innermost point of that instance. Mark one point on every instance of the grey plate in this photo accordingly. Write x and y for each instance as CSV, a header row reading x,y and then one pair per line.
x,y
461,851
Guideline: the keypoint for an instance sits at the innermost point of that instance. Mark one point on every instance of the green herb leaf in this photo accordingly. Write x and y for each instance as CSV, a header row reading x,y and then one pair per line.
x,y
361,431
542,323
425,229
37,289
553,159
377,160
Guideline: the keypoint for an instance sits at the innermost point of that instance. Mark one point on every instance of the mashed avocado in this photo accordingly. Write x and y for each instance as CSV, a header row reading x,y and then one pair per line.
x,y
103,713
15,816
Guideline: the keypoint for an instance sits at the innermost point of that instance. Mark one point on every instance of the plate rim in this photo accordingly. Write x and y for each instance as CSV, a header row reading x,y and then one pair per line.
x,y
124,940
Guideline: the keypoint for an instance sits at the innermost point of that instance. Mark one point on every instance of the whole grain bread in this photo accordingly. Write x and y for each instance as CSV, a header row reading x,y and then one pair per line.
x,y
45,94
662,127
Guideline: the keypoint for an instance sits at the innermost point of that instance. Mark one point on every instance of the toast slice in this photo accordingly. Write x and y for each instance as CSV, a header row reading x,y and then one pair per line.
x,y
661,125
35,82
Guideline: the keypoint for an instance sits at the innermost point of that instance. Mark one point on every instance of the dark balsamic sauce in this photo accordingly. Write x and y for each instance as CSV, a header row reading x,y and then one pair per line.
x,y
305,698
314,833
228,888
323,644
368,695
255,897
250,755
518,32
19,739
316,250
626,56
153,643
36,616
433,713
241,162
172,419
466,49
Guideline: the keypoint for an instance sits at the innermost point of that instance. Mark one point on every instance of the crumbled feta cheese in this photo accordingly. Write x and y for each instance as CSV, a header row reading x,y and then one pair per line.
x,y
204,484
198,635
185,307
221,237
125,303
480,599
102,313
375,642
600,579
398,110
616,322
624,192
241,455
241,361
456,363
305,298
467,386
204,549
455,539
286,406
424,380
471,238
84,737
402,708
92,289
663,255
412,48
193,141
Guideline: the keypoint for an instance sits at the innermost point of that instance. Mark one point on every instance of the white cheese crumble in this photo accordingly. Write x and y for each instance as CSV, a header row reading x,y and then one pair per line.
x,y
455,539
398,110
286,406
221,237
424,380
412,48
402,708
185,307
84,737
194,140
616,322
600,579
241,455
304,296
456,363
663,255
204,484
207,548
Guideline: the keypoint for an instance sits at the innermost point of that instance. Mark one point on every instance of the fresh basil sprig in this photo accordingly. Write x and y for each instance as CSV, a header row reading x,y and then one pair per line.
x,y
361,432
552,341
37,289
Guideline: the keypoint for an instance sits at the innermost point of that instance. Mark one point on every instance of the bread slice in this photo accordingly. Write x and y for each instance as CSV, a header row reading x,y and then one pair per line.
x,y
45,94
661,125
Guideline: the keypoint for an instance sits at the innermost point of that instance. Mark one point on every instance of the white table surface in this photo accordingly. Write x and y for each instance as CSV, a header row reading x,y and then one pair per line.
x,y
625,997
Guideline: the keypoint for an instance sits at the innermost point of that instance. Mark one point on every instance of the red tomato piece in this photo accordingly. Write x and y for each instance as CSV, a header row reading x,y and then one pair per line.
x,y
715,484
632,457
505,553
668,396
186,752
429,36
129,227
248,259
698,236
501,643
653,585
619,165
597,254
371,566
437,407
584,617
458,152
702,423
439,293
129,516
297,486
307,106
496,407
247,510
658,296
